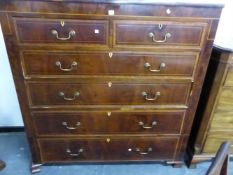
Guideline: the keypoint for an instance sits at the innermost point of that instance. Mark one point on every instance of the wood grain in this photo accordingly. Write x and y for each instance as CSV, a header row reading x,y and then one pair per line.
x,y
43,63
47,94
214,114
99,149
137,33
110,51
111,123
215,140
86,31
225,99
229,77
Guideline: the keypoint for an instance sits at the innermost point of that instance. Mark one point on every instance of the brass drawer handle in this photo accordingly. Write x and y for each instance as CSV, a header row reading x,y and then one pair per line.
x,y
72,66
70,127
166,36
138,150
71,33
80,151
145,95
161,67
62,94
143,153
147,127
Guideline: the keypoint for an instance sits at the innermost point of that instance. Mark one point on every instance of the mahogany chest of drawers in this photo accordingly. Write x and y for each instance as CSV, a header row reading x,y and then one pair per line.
x,y
108,81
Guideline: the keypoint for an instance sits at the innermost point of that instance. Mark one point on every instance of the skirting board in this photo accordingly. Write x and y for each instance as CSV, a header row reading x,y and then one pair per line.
x,y
11,129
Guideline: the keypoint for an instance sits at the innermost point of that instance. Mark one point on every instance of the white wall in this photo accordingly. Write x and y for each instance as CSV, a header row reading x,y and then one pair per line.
x,y
10,114
224,36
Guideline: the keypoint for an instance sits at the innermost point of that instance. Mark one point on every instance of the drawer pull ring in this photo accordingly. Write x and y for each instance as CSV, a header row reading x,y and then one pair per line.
x,y
62,94
143,153
69,127
166,36
161,67
145,95
80,151
71,33
72,66
147,127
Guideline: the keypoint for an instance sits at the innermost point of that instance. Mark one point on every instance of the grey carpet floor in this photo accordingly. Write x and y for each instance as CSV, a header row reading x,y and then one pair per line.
x,y
14,151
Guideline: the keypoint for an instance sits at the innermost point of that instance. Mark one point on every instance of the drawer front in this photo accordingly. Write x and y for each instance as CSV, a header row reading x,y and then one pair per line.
x,y
213,142
53,63
45,94
108,149
55,31
162,33
229,77
108,122
222,121
226,99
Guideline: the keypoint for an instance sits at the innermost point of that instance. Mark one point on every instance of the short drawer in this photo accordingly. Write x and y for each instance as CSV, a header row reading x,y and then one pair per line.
x,y
108,122
45,31
67,94
95,63
108,149
164,33
213,141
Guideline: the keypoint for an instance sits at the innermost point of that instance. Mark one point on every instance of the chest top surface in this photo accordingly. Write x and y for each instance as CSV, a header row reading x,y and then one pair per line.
x,y
219,3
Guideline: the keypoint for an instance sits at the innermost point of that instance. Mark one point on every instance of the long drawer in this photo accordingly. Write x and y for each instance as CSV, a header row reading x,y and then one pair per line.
x,y
151,33
58,123
58,93
108,149
34,30
102,63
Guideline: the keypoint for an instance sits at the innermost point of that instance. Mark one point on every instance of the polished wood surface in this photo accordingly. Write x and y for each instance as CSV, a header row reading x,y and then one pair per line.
x,y
214,115
86,31
222,121
213,3
229,78
46,94
75,63
137,33
39,63
214,140
108,148
69,124
225,99
120,8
